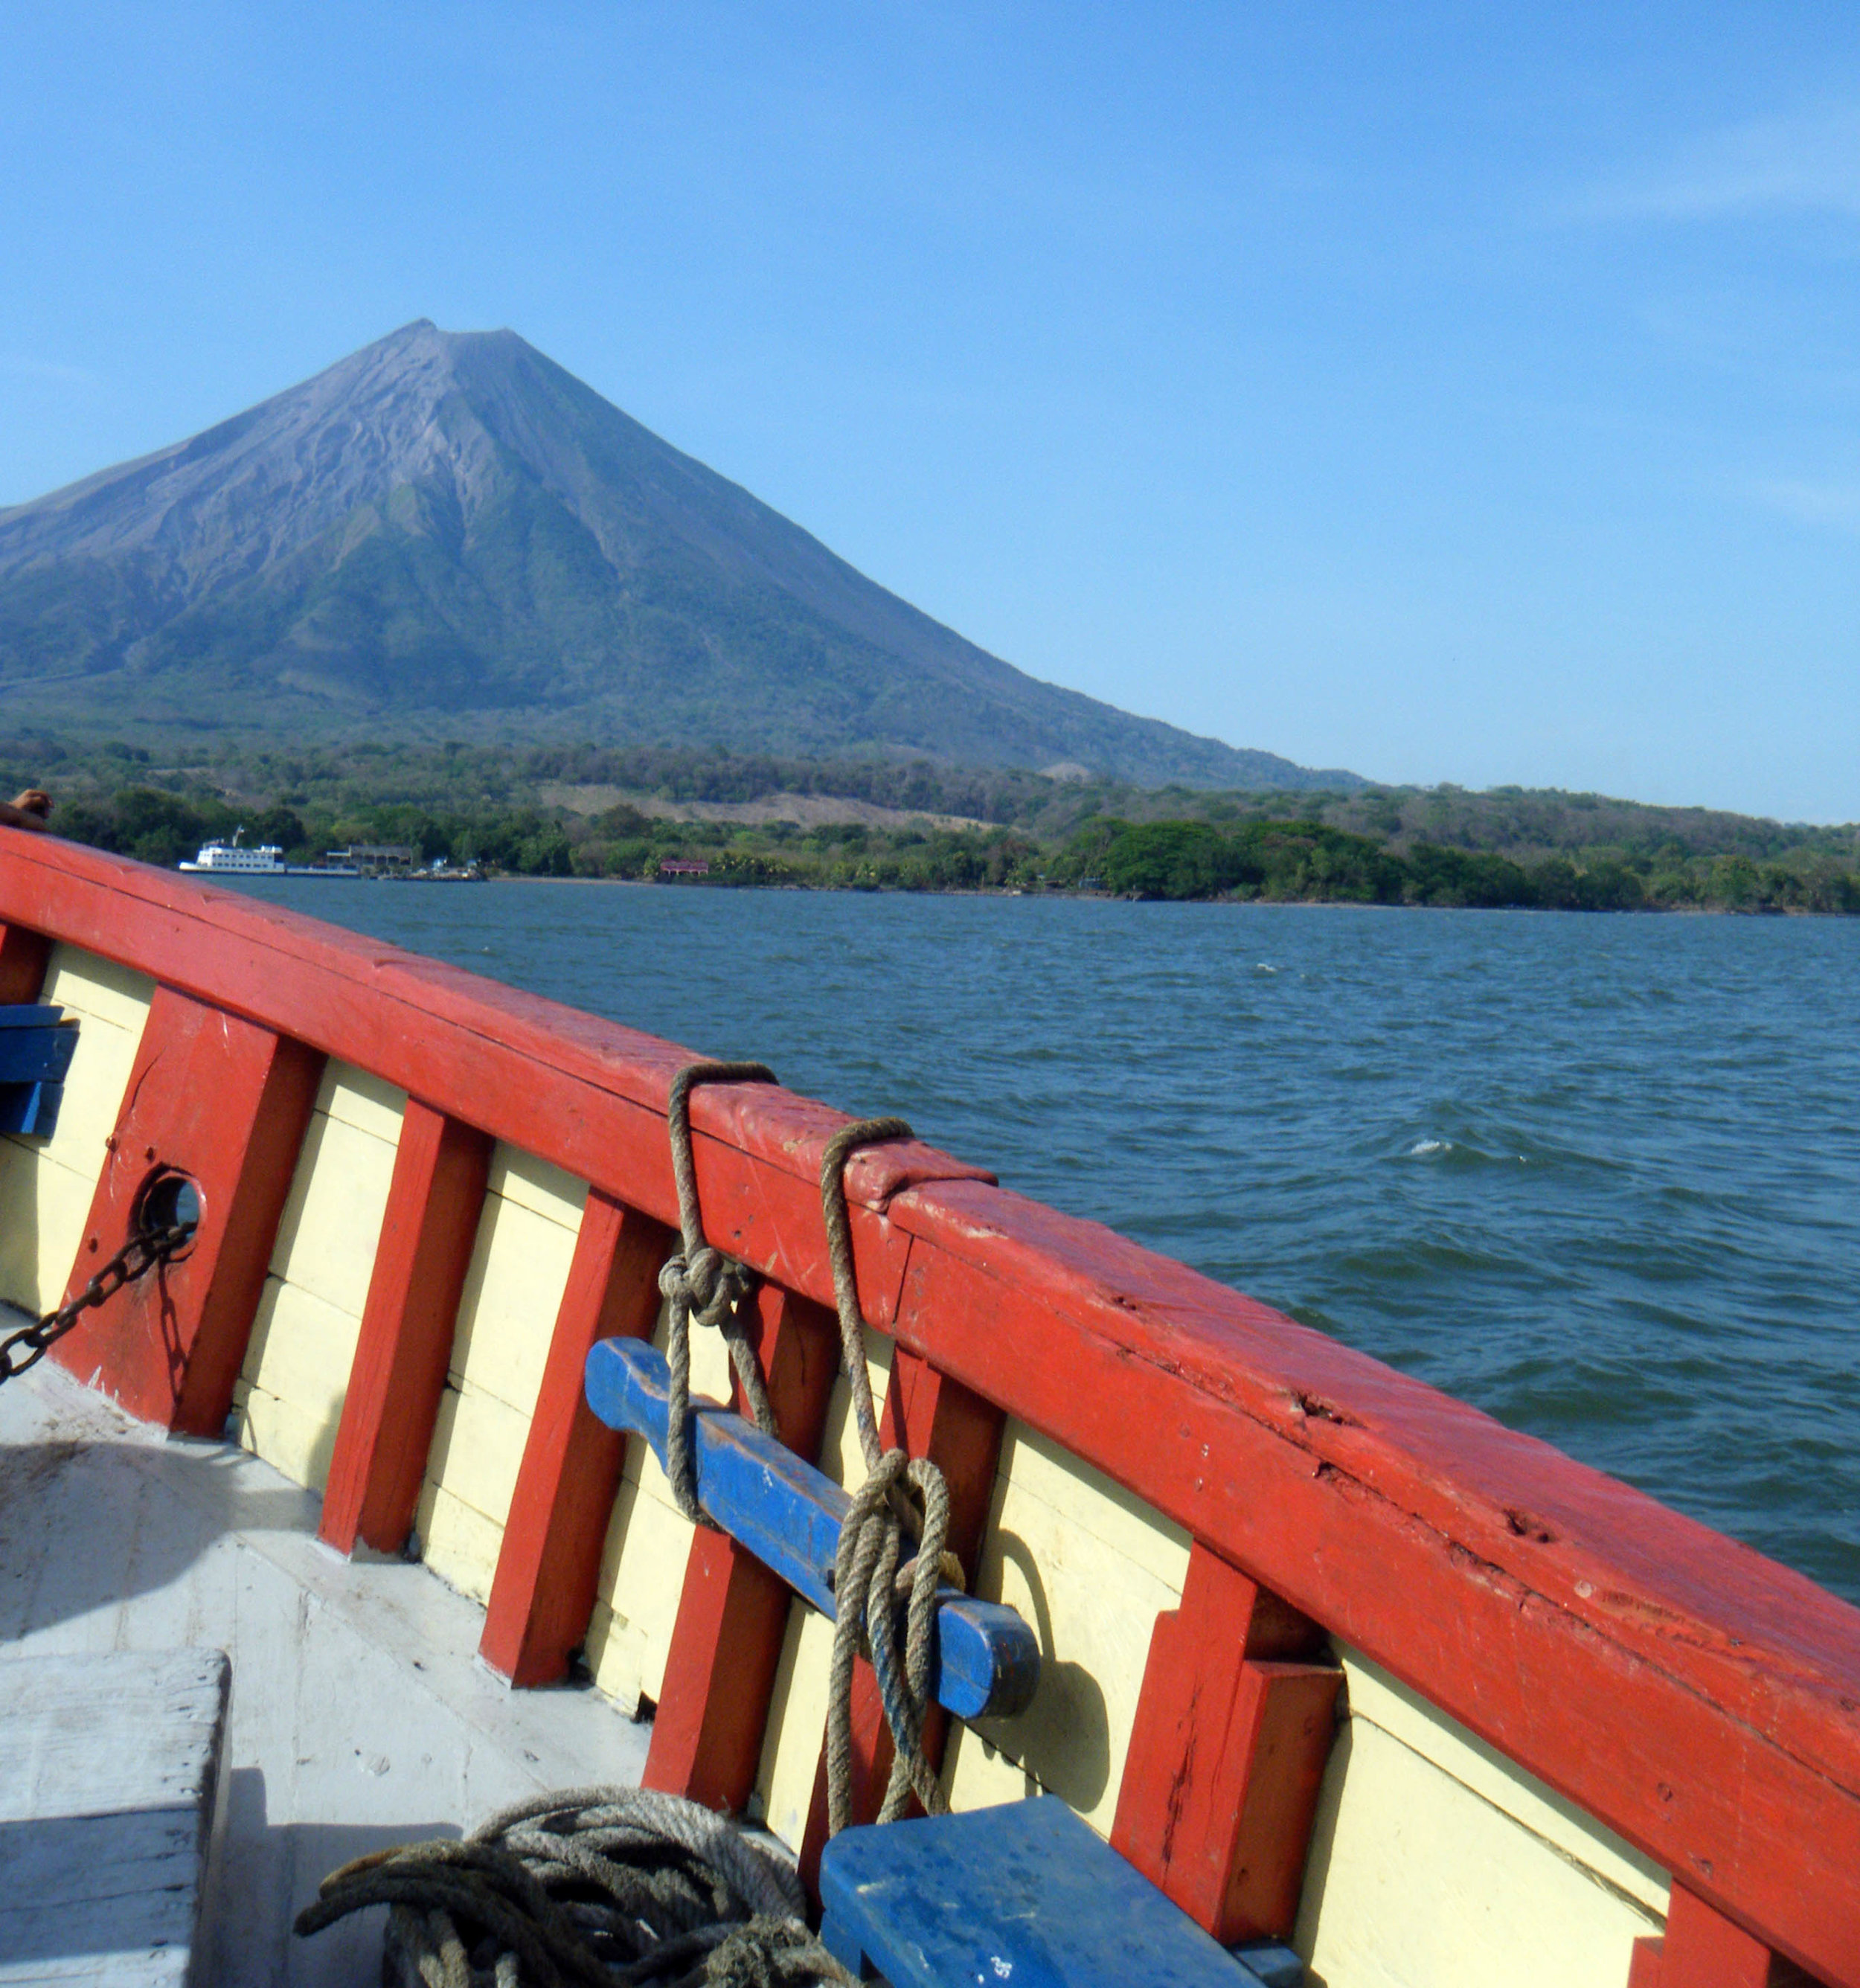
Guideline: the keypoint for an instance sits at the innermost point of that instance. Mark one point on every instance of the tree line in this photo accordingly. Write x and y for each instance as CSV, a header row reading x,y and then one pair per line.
x,y
1272,860
521,812
1308,862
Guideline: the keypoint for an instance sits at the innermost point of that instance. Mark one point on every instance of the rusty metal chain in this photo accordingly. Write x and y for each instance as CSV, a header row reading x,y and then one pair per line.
x,y
139,1255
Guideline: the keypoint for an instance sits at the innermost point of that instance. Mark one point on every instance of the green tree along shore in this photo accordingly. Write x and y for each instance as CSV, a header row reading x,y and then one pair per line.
x,y
590,813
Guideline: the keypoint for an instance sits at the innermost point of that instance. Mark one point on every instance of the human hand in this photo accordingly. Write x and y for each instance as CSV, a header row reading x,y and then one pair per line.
x,y
27,810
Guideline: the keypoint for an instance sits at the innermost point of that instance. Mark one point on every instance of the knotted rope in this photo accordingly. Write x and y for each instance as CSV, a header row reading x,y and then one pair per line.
x,y
591,1888
703,1283
867,1579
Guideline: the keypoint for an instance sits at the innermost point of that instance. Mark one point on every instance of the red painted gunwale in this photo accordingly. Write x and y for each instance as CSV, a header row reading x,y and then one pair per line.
x,y
1700,1700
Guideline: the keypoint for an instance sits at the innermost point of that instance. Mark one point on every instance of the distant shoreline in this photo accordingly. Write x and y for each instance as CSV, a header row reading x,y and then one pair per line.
x,y
1228,903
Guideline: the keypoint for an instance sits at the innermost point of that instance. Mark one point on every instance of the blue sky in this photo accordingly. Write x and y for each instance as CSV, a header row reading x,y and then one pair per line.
x,y
1452,393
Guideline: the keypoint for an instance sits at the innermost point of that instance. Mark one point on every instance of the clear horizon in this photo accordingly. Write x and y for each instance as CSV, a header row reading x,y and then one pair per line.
x,y
1464,398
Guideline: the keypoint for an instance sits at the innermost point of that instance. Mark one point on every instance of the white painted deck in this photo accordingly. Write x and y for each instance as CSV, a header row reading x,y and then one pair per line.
x,y
360,1715
110,1785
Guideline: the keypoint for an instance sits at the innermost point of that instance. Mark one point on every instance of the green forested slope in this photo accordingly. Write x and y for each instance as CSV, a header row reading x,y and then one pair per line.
x,y
584,811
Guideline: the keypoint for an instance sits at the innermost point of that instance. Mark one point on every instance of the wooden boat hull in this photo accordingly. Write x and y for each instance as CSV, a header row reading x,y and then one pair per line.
x,y
1325,1652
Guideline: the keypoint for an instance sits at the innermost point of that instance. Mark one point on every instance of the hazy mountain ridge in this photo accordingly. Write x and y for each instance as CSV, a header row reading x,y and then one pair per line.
x,y
444,525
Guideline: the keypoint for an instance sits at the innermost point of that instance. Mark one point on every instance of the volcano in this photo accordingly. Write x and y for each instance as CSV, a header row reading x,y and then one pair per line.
x,y
448,535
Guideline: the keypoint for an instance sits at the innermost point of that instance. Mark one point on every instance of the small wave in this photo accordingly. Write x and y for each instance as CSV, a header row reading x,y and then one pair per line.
x,y
1421,1148
1264,966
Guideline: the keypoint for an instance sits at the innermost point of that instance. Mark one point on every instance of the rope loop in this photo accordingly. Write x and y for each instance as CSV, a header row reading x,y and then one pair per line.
x,y
839,1148
903,1497
708,1284
701,1282
868,1585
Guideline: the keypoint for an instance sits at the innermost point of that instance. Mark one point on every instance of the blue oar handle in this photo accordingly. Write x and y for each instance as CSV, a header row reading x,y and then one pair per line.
x,y
788,1515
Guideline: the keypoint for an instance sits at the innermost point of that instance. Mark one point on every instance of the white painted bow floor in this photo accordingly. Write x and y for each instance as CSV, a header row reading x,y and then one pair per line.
x,y
361,1714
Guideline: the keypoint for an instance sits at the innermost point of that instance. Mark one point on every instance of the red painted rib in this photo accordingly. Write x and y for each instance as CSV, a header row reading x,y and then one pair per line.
x,y
23,955
1701,1949
1700,1700
726,1644
1221,1778
405,1343
226,1103
549,1563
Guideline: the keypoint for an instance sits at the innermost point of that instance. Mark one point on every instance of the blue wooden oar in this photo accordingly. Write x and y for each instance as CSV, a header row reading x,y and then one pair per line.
x,y
35,1054
788,1514
36,1051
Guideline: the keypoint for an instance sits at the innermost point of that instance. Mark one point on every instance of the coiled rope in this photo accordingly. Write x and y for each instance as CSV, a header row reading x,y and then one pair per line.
x,y
591,1888
867,1578
704,1284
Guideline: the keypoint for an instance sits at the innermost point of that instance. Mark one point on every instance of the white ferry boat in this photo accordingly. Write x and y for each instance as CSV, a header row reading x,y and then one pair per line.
x,y
267,860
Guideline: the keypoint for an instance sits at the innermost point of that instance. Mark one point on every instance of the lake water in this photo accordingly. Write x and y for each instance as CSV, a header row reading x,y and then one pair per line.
x,y
1599,1175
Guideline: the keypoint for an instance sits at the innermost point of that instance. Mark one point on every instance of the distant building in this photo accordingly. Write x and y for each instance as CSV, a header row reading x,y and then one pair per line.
x,y
378,859
683,866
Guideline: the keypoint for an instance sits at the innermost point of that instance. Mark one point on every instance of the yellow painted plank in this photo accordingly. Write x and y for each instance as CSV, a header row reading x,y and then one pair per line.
x,y
1092,1503
1375,1696
534,1183
291,1441
43,1208
797,1725
512,1291
19,1223
301,1350
358,1098
459,1544
1415,1878
840,1455
46,1186
603,1651
642,1571
976,1775
519,1267
94,1086
1089,1566
477,1448
642,1576
332,1221
797,1710
92,986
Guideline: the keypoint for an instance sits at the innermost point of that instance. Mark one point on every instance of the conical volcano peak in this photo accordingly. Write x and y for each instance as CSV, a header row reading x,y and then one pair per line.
x,y
446,530
422,341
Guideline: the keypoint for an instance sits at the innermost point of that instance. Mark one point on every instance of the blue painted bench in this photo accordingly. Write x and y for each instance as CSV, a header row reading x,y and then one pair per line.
x,y
1022,1896
788,1514
36,1048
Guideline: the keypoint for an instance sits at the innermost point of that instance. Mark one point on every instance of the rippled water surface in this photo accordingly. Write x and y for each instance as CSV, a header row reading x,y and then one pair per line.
x,y
1600,1176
